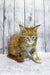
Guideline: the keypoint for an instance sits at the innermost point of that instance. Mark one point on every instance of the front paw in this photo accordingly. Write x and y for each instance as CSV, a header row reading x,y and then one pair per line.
x,y
26,59
37,60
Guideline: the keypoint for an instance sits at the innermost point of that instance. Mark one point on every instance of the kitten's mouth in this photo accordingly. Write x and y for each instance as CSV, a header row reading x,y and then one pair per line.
x,y
30,43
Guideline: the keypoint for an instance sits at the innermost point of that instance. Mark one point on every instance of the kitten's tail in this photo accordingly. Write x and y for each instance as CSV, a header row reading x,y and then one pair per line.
x,y
16,58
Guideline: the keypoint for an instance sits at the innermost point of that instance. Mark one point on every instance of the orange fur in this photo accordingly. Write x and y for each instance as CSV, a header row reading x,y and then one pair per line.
x,y
20,45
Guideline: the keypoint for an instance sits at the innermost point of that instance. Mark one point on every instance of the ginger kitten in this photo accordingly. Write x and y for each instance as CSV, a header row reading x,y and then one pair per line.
x,y
20,45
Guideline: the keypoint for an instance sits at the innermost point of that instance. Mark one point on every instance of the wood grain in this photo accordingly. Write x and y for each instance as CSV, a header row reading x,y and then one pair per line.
x,y
9,21
39,19
19,14
1,24
47,24
28,13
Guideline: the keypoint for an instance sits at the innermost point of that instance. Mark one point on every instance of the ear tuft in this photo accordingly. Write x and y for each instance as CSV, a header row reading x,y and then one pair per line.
x,y
35,28
22,29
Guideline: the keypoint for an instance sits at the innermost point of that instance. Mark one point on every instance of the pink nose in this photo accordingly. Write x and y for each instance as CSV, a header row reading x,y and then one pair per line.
x,y
30,40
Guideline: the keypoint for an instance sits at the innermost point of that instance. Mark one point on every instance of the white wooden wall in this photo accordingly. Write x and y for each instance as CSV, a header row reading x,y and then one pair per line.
x,y
28,13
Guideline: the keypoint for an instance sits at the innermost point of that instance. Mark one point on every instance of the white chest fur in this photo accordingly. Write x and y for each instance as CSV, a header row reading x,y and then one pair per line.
x,y
29,49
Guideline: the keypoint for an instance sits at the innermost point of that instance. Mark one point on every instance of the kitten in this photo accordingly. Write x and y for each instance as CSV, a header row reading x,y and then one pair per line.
x,y
20,45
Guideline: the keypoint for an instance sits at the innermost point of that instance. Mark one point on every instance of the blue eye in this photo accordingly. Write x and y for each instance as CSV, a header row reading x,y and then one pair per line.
x,y
33,37
27,37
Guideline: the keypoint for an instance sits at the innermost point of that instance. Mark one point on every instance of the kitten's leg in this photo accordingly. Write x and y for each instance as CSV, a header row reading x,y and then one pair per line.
x,y
25,55
27,58
18,57
22,56
35,56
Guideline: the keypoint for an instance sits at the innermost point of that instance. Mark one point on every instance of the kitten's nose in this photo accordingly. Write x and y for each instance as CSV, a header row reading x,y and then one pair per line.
x,y
30,40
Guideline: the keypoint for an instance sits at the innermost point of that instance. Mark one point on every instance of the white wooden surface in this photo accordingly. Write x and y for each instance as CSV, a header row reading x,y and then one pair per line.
x,y
11,67
26,12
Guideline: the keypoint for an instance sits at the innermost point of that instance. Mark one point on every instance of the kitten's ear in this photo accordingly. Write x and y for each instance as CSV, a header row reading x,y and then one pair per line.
x,y
35,28
22,29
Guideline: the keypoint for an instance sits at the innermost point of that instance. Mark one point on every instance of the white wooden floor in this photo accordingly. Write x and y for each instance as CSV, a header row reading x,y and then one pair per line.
x,y
11,67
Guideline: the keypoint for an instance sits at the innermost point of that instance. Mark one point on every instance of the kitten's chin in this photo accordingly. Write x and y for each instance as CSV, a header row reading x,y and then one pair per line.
x,y
30,43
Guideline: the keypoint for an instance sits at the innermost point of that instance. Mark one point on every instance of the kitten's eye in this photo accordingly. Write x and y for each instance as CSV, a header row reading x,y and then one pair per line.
x,y
27,37
33,37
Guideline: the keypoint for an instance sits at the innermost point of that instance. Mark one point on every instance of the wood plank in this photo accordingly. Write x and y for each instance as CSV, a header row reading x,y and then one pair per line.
x,y
29,13
1,25
19,14
39,19
47,24
9,21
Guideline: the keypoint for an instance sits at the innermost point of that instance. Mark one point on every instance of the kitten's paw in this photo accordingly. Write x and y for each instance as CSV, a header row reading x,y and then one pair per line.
x,y
38,60
26,59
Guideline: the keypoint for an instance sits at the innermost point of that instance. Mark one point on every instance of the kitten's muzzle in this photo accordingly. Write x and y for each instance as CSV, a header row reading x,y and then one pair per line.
x,y
30,42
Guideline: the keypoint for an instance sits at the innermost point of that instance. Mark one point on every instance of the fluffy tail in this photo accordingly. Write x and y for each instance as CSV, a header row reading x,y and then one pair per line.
x,y
16,58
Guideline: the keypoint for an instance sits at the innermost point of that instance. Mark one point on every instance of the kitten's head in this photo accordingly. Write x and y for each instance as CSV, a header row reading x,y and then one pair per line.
x,y
29,34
